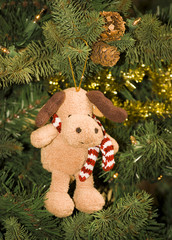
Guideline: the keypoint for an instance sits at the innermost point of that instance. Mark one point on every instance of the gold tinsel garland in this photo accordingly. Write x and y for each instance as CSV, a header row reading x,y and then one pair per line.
x,y
134,76
162,83
138,110
106,82
161,80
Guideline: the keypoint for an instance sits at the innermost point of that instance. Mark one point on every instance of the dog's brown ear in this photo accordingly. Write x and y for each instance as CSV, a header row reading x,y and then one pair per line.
x,y
50,108
106,107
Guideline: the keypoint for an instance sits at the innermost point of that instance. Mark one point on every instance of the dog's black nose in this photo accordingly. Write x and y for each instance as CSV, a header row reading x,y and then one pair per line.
x,y
78,130
96,130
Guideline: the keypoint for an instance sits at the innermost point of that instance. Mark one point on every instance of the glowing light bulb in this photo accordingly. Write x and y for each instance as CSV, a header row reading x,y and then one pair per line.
x,y
115,175
38,17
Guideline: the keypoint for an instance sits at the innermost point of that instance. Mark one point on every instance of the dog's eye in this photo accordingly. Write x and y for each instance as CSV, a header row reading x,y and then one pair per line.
x,y
89,115
69,115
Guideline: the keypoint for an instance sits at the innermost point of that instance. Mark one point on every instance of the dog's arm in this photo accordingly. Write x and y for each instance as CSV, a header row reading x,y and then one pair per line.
x,y
114,142
43,136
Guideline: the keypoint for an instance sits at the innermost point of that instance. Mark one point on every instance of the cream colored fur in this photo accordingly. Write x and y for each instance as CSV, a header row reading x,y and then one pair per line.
x,y
65,153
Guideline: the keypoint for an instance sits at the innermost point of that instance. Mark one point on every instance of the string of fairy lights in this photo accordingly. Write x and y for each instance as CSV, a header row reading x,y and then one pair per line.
x,y
36,19
4,50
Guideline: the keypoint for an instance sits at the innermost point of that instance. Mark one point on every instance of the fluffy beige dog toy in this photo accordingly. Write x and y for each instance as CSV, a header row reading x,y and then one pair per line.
x,y
70,146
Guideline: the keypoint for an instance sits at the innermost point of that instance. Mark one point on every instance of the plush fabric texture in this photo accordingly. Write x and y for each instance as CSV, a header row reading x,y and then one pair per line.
x,y
86,197
106,148
105,106
40,138
64,154
57,200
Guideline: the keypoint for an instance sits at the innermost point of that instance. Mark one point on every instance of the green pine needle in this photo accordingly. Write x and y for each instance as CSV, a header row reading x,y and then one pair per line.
x,y
8,145
148,158
16,231
128,219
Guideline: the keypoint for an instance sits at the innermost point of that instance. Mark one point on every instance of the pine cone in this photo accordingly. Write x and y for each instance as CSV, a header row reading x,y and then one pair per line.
x,y
104,54
114,26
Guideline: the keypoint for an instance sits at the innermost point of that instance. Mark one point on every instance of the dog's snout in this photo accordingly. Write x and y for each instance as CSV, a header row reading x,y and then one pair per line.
x,y
96,130
78,129
83,130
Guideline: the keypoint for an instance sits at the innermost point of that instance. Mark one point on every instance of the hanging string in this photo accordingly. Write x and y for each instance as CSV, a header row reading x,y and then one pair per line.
x,y
82,76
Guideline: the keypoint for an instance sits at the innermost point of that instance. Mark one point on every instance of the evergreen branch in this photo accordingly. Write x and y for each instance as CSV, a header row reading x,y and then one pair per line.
x,y
164,14
22,68
20,110
61,64
152,43
85,26
125,220
8,145
123,6
26,206
92,27
67,16
41,57
77,51
53,38
76,227
24,118
149,29
152,230
69,22
16,231
153,150
16,23
126,42
146,43
167,171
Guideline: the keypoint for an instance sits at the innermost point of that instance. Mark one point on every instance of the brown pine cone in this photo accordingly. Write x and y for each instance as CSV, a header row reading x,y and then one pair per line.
x,y
114,26
104,54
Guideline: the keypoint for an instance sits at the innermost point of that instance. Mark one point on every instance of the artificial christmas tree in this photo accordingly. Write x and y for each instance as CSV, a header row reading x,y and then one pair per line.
x,y
44,47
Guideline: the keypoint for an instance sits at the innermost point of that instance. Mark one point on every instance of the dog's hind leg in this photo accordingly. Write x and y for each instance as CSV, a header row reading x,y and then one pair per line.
x,y
87,198
57,200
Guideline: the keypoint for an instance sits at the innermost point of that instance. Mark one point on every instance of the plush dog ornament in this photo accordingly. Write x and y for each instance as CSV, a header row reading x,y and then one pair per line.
x,y
70,146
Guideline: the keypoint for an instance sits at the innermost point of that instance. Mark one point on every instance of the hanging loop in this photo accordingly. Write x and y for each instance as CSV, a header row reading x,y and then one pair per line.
x,y
82,76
